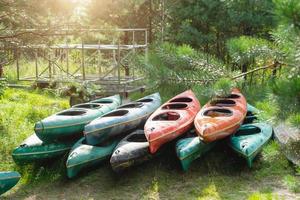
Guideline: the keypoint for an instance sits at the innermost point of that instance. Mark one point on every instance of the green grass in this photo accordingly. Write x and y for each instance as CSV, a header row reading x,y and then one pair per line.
x,y
220,174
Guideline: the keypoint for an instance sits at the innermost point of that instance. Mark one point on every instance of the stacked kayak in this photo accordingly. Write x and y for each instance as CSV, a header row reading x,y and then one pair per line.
x,y
126,118
8,180
221,117
70,123
249,140
132,150
83,156
171,120
34,149
191,148
251,114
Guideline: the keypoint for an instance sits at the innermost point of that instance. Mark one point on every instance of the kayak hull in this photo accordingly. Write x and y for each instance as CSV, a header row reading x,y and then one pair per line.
x,y
121,121
190,149
33,149
70,123
171,120
8,180
251,114
249,140
83,156
132,150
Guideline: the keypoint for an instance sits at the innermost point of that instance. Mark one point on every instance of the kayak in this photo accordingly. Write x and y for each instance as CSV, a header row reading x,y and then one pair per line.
x,y
34,149
8,180
190,149
70,123
83,156
126,118
171,120
251,114
249,140
132,150
221,117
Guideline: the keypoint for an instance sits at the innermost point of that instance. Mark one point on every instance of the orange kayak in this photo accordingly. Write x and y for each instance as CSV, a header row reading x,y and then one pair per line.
x,y
221,117
171,120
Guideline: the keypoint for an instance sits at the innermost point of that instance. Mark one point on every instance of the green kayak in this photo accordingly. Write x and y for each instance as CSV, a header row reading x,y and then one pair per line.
x,y
33,149
84,156
251,114
70,123
191,148
8,180
249,140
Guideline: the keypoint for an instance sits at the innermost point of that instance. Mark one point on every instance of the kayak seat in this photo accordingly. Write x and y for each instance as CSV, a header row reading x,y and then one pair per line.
x,y
176,106
88,105
137,138
132,105
72,113
145,100
248,130
218,112
223,102
182,99
169,116
117,113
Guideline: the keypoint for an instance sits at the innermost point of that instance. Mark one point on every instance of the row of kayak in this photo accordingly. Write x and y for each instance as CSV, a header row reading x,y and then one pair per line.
x,y
135,132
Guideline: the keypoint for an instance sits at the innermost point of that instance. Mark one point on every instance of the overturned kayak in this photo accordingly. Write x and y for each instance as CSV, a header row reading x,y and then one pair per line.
x,y
249,140
221,117
123,120
83,156
171,120
70,123
190,149
132,150
8,180
34,149
251,115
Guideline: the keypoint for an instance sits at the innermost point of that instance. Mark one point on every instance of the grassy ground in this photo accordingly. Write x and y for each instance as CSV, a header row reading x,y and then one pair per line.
x,y
218,175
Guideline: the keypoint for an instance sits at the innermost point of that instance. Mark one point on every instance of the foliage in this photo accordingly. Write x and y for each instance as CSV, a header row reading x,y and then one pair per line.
x,y
292,183
223,87
171,63
198,22
287,35
247,51
3,86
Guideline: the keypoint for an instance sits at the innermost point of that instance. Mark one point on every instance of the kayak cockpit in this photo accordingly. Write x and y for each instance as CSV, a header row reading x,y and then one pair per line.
x,y
168,116
223,102
175,106
103,101
137,138
145,100
132,105
88,106
248,130
182,100
117,113
218,112
72,113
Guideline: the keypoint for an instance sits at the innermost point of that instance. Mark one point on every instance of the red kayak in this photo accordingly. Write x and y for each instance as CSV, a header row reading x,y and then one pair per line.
x,y
221,117
171,120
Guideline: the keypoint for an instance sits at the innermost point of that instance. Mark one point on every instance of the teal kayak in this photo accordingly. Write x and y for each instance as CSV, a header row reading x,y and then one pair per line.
x,y
8,180
251,114
34,149
249,140
83,156
190,149
125,119
70,123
